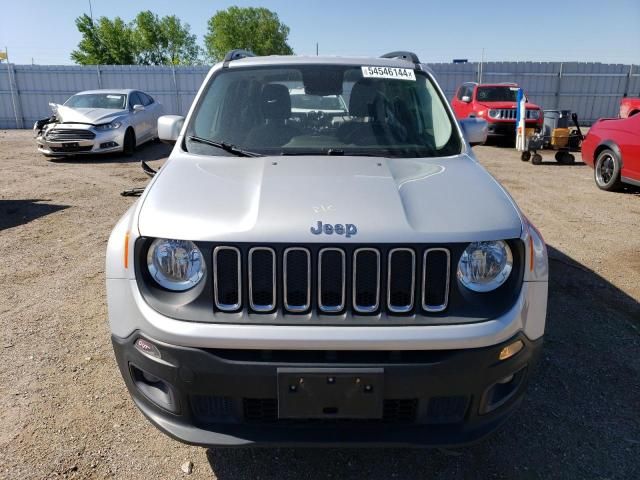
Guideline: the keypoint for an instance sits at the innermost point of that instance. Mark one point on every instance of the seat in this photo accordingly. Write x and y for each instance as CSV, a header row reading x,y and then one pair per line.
x,y
275,104
362,105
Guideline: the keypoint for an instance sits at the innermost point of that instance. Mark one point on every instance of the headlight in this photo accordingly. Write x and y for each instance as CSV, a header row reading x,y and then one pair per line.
x,y
494,113
175,264
108,126
534,114
484,266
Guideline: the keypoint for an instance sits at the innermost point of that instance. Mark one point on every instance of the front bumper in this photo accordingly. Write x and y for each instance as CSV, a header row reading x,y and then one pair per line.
x,y
227,397
509,128
104,142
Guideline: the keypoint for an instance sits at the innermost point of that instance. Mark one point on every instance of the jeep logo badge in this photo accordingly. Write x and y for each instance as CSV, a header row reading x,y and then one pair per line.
x,y
347,230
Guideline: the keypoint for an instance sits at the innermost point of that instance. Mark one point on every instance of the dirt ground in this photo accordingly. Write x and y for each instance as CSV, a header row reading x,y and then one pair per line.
x,y
65,412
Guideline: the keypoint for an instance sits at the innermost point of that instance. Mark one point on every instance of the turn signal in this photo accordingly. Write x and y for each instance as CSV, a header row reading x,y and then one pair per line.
x,y
510,350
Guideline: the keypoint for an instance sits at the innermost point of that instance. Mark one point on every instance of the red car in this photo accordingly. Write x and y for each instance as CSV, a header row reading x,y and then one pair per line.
x,y
612,147
495,103
629,106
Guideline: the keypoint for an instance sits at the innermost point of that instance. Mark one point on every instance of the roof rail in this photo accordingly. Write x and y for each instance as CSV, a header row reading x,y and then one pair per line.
x,y
237,55
410,56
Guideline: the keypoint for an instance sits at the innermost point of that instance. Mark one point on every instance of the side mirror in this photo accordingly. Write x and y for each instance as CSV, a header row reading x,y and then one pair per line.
x,y
466,99
138,108
475,130
169,128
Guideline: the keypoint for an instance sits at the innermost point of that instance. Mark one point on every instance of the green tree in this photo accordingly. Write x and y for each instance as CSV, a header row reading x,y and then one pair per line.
x,y
255,29
106,42
163,41
148,40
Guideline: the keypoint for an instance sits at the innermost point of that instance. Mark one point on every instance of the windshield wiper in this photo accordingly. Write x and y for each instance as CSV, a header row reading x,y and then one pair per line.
x,y
227,147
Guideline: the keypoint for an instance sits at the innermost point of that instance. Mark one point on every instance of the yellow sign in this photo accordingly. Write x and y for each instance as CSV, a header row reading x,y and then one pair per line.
x,y
3,55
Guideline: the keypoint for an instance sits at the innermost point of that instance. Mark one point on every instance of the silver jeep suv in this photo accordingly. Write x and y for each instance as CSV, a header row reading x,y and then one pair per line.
x,y
320,276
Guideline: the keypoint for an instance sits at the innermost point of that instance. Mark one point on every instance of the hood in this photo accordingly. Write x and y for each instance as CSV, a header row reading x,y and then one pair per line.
x,y
488,105
94,116
281,199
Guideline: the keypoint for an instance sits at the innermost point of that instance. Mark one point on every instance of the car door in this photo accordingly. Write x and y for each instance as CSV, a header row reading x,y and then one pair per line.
x,y
630,145
154,110
140,119
463,109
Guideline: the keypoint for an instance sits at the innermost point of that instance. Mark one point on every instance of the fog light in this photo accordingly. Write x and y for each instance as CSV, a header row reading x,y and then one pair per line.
x,y
510,350
147,348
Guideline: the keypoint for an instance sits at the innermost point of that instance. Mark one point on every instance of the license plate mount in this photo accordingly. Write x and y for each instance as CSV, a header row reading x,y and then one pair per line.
x,y
332,393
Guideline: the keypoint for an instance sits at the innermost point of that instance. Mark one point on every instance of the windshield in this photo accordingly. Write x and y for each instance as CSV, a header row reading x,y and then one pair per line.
x,y
497,94
323,109
113,101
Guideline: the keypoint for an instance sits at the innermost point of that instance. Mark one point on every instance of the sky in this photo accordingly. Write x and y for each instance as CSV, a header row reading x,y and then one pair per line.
x,y
607,31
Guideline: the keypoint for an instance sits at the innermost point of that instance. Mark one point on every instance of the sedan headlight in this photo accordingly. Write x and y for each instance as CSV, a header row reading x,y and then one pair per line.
x,y
108,126
175,264
494,113
484,266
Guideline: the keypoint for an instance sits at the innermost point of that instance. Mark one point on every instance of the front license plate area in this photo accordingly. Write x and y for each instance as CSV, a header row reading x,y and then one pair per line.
x,y
317,393
70,145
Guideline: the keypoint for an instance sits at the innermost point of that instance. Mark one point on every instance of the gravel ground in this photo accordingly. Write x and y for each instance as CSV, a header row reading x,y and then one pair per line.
x,y
65,412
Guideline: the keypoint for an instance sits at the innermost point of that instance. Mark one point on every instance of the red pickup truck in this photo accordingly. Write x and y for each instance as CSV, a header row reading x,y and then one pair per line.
x,y
495,103
629,106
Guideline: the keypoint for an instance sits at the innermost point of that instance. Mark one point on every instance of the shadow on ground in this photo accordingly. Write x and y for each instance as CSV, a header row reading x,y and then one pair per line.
x,y
579,418
148,152
18,212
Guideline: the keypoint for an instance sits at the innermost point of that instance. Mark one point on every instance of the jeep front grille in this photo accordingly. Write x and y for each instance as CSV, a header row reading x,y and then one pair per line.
x,y
510,114
332,280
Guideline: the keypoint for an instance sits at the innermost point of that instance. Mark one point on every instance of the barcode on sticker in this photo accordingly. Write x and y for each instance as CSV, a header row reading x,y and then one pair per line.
x,y
389,72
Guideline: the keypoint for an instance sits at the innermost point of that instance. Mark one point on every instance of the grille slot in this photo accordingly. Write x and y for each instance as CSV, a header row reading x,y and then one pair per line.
x,y
435,279
69,134
227,278
401,280
297,279
262,279
366,280
265,410
331,280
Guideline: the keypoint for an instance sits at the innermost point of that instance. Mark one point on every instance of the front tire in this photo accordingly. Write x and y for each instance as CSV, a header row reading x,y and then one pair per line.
x,y
606,171
129,143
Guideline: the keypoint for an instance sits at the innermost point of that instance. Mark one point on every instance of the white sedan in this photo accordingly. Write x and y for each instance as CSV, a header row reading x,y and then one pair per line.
x,y
99,121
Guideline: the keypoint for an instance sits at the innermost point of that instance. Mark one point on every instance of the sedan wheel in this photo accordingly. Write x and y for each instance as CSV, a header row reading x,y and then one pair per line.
x,y
129,146
607,171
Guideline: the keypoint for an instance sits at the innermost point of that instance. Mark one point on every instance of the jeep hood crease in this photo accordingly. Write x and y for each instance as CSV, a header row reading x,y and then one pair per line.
x,y
279,199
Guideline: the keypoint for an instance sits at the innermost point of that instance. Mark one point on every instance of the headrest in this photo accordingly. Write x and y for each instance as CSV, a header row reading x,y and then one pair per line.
x,y
363,95
276,102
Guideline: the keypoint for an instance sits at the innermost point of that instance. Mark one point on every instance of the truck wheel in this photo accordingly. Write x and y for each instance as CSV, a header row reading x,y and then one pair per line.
x,y
525,156
129,143
606,171
536,159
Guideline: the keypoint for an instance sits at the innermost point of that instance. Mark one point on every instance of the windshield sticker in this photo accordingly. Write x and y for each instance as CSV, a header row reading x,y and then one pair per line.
x,y
389,72
115,97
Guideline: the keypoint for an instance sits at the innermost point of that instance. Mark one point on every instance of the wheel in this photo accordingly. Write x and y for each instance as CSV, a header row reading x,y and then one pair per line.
x,y
129,143
558,156
569,159
606,171
536,159
525,156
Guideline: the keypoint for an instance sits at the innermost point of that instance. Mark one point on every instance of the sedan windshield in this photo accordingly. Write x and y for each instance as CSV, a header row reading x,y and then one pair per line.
x,y
323,110
112,101
497,94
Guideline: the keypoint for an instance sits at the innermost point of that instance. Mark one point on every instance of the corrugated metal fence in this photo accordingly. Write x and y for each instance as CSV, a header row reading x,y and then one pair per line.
x,y
592,90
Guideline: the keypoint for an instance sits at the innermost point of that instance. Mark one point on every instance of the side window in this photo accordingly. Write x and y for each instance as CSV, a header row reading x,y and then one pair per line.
x,y
146,99
134,99
461,92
